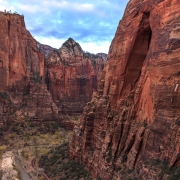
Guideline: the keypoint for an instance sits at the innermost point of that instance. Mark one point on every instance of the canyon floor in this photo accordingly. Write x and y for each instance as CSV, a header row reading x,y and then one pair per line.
x,y
39,151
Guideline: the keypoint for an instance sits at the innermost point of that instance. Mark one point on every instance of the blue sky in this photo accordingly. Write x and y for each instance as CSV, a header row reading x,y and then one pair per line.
x,y
91,23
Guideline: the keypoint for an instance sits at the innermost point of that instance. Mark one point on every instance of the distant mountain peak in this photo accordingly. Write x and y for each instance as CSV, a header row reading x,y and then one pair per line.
x,y
71,42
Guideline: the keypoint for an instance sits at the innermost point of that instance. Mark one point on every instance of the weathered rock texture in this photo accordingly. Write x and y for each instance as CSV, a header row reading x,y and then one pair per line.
x,y
134,118
22,91
37,104
33,86
19,56
45,49
71,76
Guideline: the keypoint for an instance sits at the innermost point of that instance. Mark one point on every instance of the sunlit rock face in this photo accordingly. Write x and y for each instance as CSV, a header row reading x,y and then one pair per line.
x,y
71,76
22,88
135,115
19,56
38,81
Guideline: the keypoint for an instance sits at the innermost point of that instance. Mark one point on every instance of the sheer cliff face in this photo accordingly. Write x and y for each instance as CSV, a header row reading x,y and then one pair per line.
x,y
19,56
135,116
22,91
72,76
68,73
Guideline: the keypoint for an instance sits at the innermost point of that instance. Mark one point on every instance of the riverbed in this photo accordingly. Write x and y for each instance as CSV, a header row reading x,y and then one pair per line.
x,y
23,174
11,166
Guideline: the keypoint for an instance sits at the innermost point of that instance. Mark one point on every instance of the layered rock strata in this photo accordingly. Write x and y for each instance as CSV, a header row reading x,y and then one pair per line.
x,y
19,56
134,118
22,87
71,76
38,81
45,49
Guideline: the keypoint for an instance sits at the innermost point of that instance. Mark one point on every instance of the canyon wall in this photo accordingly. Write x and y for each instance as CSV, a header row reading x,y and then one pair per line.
x,y
22,88
72,75
131,127
19,56
38,81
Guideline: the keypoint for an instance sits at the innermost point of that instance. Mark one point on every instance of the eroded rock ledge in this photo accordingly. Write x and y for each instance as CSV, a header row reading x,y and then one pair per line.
x,y
134,119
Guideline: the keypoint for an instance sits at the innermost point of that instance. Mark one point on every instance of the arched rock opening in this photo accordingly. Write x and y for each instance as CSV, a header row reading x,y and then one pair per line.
x,y
138,53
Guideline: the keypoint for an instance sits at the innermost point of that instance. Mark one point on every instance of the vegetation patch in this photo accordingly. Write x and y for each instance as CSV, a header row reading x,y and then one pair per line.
x,y
4,95
36,78
163,170
2,150
109,156
124,158
103,134
59,166
1,173
178,122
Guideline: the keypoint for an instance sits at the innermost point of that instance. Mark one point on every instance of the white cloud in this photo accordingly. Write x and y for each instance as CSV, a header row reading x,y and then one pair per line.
x,y
90,20
6,6
91,47
79,7
51,41
32,9
28,8
95,48
84,7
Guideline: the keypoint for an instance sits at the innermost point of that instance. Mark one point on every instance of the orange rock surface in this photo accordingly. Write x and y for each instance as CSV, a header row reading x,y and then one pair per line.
x,y
19,56
135,116
38,81
22,88
72,76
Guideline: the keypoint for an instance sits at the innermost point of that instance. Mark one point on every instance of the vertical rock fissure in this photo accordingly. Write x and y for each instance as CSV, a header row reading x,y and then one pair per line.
x,y
138,53
9,24
116,154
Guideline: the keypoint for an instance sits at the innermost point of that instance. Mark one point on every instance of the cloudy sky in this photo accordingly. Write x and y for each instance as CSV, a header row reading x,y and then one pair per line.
x,y
92,23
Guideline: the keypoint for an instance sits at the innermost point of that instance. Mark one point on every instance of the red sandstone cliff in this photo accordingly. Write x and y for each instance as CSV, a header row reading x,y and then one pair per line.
x,y
30,84
71,75
19,56
45,49
22,88
131,127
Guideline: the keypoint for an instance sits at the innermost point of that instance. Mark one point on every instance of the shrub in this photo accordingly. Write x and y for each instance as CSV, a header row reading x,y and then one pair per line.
x,y
124,158
103,134
178,122
4,95
2,149
1,173
58,164
108,159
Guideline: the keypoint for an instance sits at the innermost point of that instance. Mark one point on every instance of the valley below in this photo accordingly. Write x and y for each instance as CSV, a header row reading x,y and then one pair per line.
x,y
37,153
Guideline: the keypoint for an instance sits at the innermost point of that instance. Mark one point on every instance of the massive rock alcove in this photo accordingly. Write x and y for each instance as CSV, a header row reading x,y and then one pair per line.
x,y
138,53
